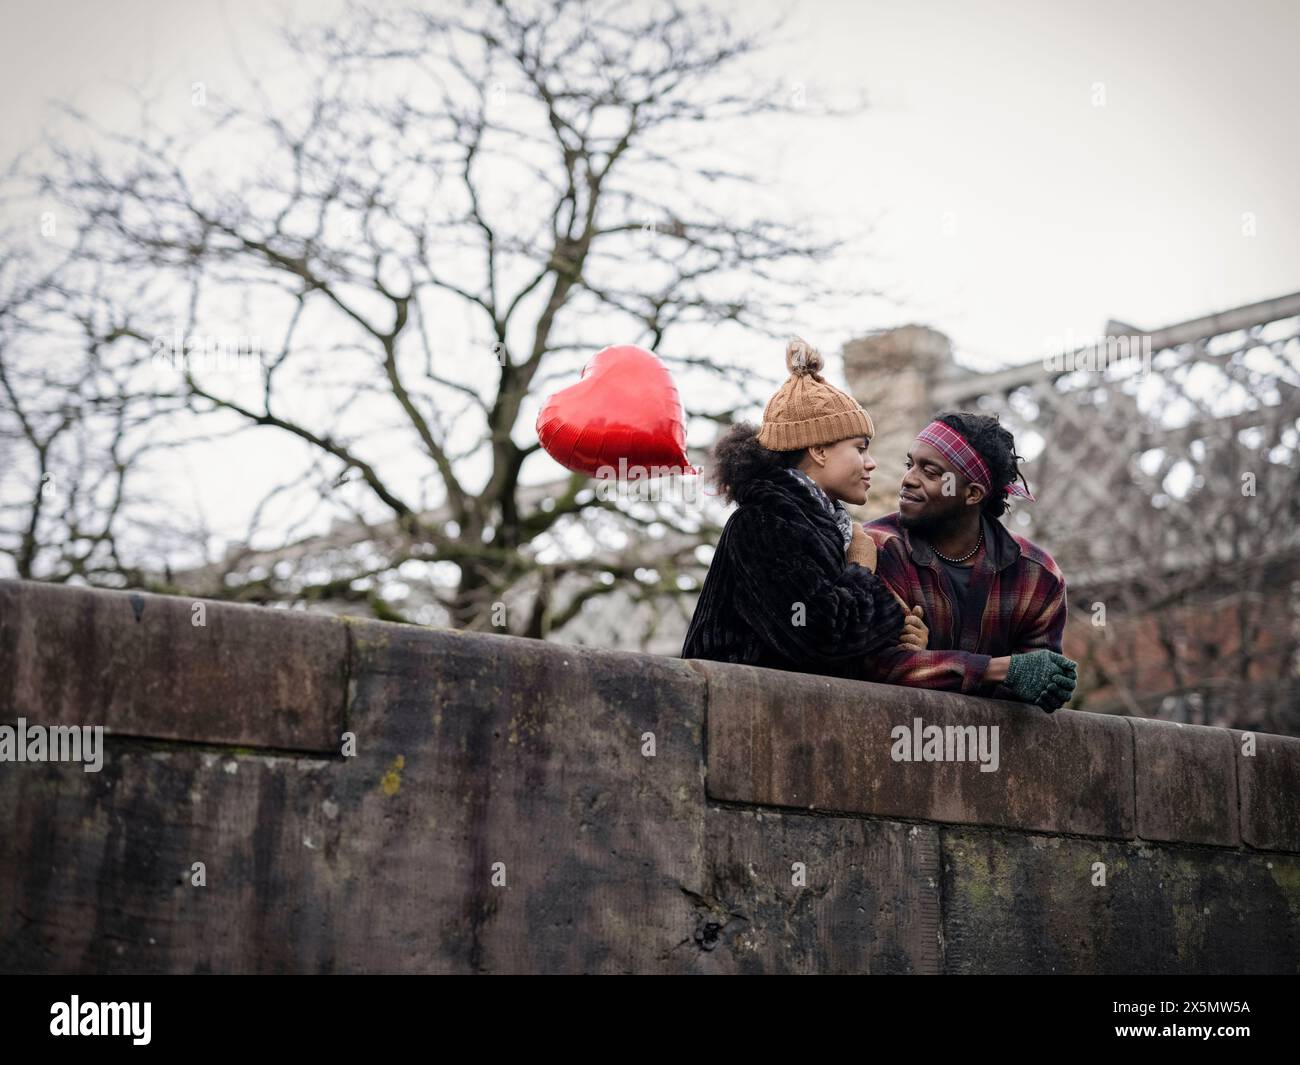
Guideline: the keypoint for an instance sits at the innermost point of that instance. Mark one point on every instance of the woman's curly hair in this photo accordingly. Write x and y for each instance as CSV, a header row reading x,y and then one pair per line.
x,y
996,446
738,458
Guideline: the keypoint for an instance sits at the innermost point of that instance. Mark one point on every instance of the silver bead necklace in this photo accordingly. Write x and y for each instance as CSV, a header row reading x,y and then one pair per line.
x,y
964,557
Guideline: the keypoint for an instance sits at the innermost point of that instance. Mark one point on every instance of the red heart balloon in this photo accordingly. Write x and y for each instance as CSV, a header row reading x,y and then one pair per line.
x,y
624,407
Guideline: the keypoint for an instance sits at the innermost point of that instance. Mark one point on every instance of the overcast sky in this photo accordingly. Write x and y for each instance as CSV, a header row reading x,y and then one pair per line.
x,y
1033,167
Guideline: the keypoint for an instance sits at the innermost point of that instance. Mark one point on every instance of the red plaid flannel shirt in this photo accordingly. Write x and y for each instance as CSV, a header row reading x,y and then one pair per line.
x,y
1024,608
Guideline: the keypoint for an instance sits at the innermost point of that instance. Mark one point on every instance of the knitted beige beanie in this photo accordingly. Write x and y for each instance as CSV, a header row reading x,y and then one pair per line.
x,y
806,410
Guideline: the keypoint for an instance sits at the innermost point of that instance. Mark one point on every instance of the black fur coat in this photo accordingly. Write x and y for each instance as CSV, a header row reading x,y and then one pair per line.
x,y
779,592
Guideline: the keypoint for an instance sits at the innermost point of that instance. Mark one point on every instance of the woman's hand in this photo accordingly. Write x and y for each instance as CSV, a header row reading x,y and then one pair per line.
x,y
862,549
915,634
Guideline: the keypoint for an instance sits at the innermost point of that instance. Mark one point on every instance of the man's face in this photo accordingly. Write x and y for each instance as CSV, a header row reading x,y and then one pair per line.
x,y
932,493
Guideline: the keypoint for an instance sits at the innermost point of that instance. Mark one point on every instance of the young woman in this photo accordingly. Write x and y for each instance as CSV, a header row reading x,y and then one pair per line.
x,y
792,583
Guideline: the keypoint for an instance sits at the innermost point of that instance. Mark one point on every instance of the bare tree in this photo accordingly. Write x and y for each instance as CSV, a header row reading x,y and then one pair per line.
x,y
75,425
552,174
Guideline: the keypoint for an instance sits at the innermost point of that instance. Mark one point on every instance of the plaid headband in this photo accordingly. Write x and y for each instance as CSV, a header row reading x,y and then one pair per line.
x,y
965,459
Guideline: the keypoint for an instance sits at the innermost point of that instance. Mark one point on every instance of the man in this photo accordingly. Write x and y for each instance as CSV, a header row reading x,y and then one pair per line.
x,y
994,602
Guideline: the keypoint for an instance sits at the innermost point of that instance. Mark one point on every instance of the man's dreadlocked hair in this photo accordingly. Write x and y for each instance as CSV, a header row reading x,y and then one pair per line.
x,y
996,446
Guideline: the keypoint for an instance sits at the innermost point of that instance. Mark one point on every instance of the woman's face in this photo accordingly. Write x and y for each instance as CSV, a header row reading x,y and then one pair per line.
x,y
845,473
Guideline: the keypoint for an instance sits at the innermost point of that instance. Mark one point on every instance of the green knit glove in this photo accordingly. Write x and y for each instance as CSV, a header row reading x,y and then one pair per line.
x,y
1041,677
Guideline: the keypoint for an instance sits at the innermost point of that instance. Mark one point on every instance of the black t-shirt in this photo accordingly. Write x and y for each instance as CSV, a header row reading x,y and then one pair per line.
x,y
960,578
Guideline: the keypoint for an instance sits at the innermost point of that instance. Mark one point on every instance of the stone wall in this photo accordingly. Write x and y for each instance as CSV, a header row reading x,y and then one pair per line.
x,y
517,806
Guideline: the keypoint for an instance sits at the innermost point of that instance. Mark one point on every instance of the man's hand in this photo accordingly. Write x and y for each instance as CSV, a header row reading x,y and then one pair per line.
x,y
915,634
1043,678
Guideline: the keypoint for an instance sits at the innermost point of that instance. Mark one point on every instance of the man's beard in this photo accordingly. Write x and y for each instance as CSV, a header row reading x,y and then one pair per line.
x,y
923,525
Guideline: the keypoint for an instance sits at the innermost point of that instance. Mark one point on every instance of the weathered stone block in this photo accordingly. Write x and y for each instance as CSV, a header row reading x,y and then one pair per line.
x,y
1186,783
137,665
868,903
790,739
1270,790
1033,904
